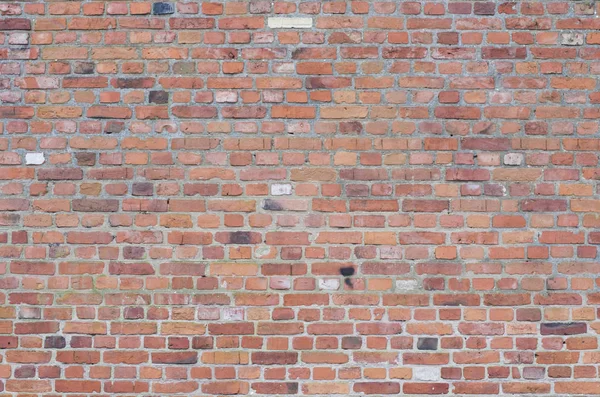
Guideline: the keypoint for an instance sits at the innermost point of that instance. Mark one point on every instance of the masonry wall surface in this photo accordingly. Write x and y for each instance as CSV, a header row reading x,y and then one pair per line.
x,y
299,198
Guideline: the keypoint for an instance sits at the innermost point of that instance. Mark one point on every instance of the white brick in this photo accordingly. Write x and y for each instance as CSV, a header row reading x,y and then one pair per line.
x,y
34,158
329,284
387,252
18,38
289,23
513,159
233,314
406,284
226,96
205,313
208,314
284,67
281,190
572,39
427,373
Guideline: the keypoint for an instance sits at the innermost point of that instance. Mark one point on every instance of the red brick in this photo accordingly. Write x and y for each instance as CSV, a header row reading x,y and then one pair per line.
x,y
216,207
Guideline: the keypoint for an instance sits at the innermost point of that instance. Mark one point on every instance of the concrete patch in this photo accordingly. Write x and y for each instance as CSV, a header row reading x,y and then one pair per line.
x,y
290,23
34,158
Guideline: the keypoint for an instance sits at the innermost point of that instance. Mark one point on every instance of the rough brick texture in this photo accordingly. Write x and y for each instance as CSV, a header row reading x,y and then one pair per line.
x,y
299,197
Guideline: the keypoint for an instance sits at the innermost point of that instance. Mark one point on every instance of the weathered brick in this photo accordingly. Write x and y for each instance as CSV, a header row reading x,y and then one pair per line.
x,y
95,205
563,328
55,174
15,24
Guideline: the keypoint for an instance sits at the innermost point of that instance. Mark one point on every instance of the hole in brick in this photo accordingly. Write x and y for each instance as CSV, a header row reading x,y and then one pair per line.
x,y
347,272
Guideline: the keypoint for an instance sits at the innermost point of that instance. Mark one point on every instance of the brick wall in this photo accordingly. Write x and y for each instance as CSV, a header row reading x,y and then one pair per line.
x,y
299,197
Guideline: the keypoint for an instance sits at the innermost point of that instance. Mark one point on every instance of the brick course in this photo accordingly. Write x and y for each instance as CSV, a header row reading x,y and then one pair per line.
x,y
299,197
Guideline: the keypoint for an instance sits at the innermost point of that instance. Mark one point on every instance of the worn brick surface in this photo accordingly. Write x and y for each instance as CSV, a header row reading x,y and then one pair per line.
x,y
299,197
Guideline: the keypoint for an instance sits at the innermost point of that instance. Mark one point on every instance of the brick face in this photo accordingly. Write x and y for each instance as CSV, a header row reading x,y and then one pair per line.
x,y
299,197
